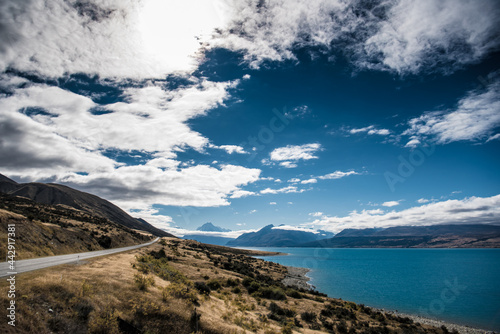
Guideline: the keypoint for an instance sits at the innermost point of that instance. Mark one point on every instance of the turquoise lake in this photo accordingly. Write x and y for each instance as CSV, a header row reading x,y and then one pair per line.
x,y
455,285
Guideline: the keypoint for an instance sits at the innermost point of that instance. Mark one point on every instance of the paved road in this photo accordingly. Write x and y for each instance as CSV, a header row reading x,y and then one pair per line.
x,y
49,261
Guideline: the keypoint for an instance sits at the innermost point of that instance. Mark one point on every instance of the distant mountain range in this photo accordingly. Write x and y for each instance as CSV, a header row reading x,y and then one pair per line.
x,y
433,236
209,227
269,236
56,194
208,238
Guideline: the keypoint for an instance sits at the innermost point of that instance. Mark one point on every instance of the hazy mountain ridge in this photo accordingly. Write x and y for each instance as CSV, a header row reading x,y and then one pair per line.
x,y
432,236
269,236
56,194
209,227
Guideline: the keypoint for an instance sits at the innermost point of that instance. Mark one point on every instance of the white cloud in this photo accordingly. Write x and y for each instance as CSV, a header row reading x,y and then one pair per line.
x,y
425,34
289,155
288,164
473,210
403,36
316,214
309,181
390,203
371,130
272,203
413,143
284,190
475,118
337,175
181,232
298,112
423,200
136,187
252,211
243,193
230,149
494,137
295,228
115,38
294,180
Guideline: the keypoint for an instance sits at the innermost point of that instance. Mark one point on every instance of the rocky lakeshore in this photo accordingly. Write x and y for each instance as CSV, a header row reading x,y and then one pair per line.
x,y
438,323
296,277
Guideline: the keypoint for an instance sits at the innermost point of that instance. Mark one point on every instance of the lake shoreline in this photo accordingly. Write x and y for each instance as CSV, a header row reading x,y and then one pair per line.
x,y
297,278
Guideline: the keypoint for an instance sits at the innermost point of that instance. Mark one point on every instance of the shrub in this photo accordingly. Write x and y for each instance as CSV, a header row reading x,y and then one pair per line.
x,y
104,322
308,316
293,293
181,291
342,327
214,284
273,293
143,282
202,287
236,289
276,310
253,287
232,282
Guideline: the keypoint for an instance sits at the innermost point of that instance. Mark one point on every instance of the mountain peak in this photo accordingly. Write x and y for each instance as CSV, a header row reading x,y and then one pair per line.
x,y
209,227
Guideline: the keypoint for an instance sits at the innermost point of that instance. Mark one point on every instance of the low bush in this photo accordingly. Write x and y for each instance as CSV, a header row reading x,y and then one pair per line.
x,y
273,293
308,316
180,291
143,282
202,287
214,284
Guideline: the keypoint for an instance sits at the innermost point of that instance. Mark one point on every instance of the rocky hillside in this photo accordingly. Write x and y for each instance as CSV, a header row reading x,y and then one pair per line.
x,y
44,230
56,194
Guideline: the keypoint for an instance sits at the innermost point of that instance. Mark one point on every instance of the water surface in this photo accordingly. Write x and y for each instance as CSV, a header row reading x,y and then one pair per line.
x,y
456,285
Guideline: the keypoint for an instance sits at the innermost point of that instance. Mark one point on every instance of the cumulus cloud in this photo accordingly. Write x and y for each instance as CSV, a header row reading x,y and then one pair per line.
x,y
390,203
289,155
419,35
230,149
337,175
401,36
475,118
137,123
115,39
53,134
137,187
472,210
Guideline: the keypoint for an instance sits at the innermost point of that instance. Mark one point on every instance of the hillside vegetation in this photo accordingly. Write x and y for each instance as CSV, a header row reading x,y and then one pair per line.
x,y
183,287
57,194
44,230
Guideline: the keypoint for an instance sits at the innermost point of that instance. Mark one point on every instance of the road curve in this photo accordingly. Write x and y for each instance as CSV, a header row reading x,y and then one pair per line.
x,y
22,266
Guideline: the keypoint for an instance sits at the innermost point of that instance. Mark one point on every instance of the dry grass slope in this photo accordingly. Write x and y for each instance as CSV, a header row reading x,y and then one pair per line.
x,y
184,287
45,230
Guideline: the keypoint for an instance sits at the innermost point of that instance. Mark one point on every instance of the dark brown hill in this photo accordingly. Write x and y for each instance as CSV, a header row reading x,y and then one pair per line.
x,y
56,194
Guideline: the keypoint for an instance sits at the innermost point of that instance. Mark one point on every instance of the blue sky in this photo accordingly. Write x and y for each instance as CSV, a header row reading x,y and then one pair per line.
x,y
316,115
